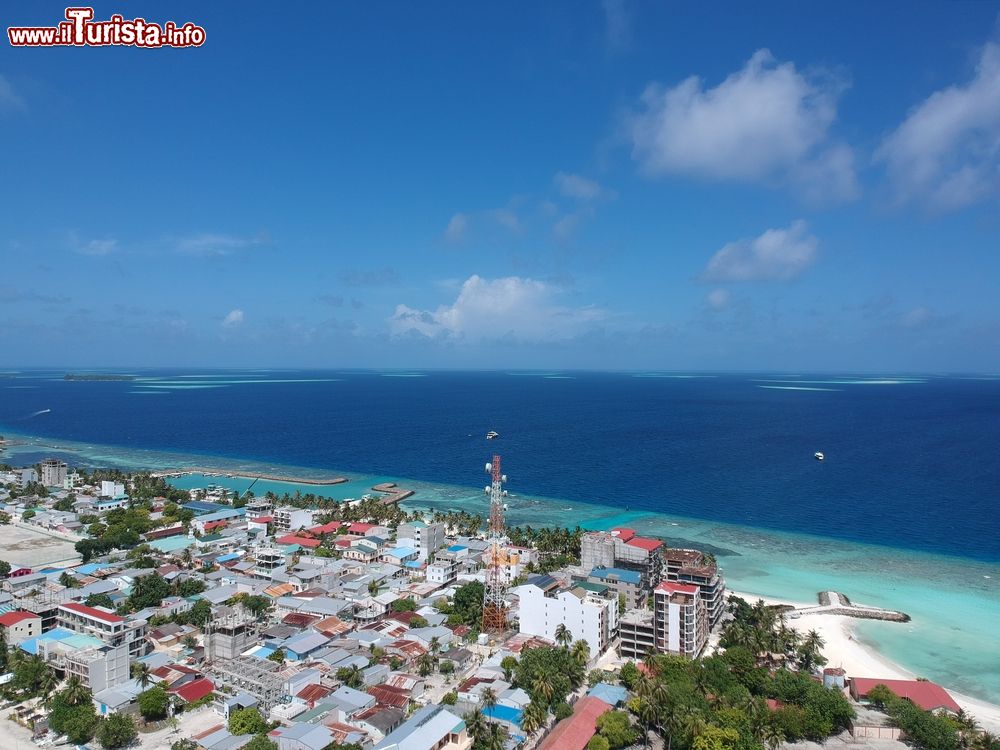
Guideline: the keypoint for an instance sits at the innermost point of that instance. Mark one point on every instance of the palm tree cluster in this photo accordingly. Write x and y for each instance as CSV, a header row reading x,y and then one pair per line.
x,y
764,632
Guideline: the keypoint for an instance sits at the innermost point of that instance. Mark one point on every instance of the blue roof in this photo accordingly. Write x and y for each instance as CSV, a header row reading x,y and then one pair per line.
x,y
227,558
456,548
89,568
628,576
402,552
412,564
200,506
171,543
505,713
610,694
222,514
30,645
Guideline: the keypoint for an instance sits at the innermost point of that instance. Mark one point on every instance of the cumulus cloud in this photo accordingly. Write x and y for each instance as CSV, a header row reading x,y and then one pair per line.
x,y
718,299
9,98
946,153
210,245
576,186
233,319
776,255
767,122
513,307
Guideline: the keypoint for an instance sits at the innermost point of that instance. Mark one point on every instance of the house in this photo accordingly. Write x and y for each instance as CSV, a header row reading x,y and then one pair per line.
x,y
430,728
301,737
587,614
19,626
194,691
574,732
927,695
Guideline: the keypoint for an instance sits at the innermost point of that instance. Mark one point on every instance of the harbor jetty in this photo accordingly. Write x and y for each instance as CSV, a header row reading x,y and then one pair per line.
x,y
835,603
394,493
251,475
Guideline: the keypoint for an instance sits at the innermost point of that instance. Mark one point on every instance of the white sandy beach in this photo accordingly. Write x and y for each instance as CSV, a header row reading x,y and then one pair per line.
x,y
842,649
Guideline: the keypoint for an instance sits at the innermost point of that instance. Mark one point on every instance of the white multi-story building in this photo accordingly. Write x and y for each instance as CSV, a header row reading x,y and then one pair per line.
x,y
587,615
292,519
427,538
680,620
114,490
53,472
105,625
443,570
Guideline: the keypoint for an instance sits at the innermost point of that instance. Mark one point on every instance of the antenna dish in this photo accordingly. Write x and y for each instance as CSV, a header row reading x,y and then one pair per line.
x,y
489,468
503,478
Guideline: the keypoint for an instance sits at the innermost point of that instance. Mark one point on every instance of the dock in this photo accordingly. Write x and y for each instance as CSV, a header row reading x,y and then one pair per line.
x,y
394,493
835,603
251,475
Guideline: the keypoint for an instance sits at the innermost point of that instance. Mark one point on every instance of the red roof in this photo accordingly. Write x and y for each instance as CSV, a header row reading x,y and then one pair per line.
x,y
360,528
677,588
299,540
262,519
575,732
390,696
313,693
195,690
644,543
928,695
97,614
623,534
326,528
214,525
13,618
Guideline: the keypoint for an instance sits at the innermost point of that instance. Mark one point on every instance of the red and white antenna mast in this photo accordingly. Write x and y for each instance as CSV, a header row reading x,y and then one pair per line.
x,y
494,597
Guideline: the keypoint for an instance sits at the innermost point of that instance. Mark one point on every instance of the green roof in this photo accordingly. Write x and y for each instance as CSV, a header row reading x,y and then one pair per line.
x,y
597,588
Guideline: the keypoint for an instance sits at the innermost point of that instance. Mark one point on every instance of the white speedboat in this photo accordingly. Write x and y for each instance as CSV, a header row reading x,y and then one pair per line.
x,y
818,456
492,435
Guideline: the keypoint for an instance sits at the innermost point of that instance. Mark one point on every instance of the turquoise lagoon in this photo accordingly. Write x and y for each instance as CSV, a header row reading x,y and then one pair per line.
x,y
954,602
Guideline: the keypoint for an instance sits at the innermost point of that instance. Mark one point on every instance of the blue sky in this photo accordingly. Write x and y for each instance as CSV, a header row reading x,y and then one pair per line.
x,y
557,185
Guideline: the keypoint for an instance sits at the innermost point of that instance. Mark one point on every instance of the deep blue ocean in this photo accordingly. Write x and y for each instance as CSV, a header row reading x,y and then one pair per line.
x,y
911,462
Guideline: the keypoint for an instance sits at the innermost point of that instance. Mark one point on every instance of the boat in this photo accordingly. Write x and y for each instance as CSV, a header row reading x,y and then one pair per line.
x,y
818,456
492,435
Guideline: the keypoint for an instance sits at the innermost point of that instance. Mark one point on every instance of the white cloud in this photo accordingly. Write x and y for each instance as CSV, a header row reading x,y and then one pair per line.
x,y
946,153
576,186
233,319
618,24
462,223
523,309
9,98
457,227
767,122
776,255
917,317
718,299
211,245
97,247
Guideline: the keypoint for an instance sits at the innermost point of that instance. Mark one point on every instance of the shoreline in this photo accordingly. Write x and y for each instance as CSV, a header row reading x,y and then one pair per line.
x,y
949,598
164,474
844,648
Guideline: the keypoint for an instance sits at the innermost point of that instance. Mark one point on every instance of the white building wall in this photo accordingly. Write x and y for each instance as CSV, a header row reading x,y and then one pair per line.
x,y
542,615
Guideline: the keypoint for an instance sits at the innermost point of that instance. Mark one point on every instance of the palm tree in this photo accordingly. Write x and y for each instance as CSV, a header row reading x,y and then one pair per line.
x,y
542,688
563,635
435,645
373,588
810,652
581,651
534,717
489,699
75,691
496,737
47,682
142,674
771,736
475,723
